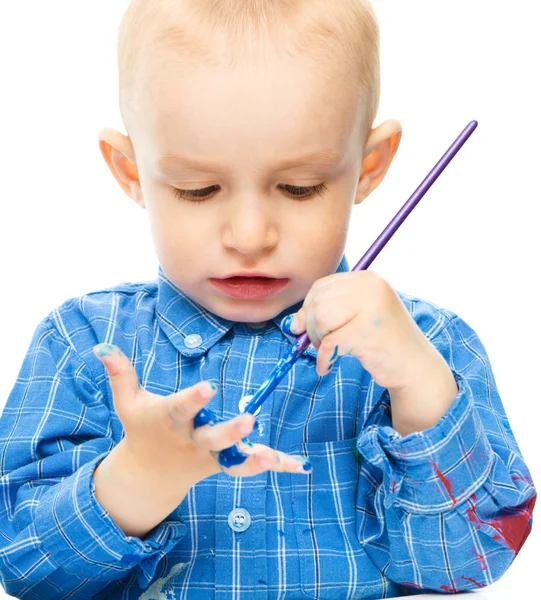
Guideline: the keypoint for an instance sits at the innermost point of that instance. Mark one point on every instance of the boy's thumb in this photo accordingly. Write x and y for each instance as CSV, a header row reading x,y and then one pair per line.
x,y
122,375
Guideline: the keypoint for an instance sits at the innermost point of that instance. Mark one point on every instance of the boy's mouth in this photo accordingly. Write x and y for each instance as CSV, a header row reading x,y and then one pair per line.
x,y
249,288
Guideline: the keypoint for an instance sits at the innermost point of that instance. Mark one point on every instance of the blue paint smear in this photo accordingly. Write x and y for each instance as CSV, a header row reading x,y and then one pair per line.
x,y
232,456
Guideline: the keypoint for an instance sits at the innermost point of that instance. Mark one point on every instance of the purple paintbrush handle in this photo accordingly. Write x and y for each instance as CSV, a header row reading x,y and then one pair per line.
x,y
408,206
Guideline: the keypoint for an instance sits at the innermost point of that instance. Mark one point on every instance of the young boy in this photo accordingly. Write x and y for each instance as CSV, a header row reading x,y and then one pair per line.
x,y
383,464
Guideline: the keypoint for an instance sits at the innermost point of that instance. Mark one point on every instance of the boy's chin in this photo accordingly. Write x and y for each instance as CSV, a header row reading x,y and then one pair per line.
x,y
252,312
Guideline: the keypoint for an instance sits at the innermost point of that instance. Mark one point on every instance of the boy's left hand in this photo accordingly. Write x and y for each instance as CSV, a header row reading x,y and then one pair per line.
x,y
359,313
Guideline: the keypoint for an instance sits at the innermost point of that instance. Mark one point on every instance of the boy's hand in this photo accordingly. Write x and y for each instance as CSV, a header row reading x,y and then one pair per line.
x,y
359,313
159,429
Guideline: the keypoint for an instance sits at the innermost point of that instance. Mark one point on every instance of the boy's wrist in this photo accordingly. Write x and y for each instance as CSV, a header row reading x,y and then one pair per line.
x,y
422,404
137,495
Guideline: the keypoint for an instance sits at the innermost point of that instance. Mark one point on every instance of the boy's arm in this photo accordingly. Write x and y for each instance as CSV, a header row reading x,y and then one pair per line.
x,y
55,429
454,502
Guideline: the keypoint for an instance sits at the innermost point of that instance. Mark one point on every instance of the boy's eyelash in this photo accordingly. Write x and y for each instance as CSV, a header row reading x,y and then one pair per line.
x,y
298,192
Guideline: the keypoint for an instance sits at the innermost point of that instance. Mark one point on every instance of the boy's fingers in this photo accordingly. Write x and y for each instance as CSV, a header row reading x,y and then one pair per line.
x,y
262,458
275,460
122,375
298,324
223,435
185,404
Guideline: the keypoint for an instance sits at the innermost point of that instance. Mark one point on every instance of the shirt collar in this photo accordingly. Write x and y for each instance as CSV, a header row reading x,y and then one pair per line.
x,y
193,329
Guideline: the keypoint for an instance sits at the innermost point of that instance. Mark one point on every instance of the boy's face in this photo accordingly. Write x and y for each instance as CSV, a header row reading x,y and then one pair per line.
x,y
242,127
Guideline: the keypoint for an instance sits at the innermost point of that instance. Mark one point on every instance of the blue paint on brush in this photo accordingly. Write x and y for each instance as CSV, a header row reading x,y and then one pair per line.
x,y
232,456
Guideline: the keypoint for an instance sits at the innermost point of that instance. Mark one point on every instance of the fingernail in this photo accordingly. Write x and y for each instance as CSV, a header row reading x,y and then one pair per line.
x,y
104,349
286,325
208,390
244,428
293,326
305,467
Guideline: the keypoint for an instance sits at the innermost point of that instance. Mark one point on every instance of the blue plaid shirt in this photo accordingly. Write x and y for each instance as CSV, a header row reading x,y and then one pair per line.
x,y
381,515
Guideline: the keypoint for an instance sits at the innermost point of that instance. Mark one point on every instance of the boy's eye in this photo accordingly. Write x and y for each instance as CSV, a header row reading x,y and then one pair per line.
x,y
196,195
301,193
305,192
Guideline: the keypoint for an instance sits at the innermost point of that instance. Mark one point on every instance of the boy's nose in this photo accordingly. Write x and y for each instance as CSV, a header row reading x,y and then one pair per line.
x,y
251,229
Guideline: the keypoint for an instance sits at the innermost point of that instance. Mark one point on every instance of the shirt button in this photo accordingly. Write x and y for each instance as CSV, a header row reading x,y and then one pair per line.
x,y
239,519
193,341
244,401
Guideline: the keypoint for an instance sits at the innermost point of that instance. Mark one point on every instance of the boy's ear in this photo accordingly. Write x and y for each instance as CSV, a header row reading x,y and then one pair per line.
x,y
381,146
117,150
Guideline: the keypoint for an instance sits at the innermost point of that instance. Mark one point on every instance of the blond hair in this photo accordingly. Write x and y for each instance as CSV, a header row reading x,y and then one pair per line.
x,y
347,29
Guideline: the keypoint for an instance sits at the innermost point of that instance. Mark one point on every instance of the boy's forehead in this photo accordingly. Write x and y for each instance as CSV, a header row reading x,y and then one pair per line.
x,y
171,163
281,106
160,93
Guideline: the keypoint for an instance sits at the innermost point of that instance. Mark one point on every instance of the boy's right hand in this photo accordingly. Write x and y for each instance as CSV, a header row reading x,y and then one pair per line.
x,y
159,430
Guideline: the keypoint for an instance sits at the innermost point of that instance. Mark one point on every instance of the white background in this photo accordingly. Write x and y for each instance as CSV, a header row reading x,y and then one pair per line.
x,y
471,245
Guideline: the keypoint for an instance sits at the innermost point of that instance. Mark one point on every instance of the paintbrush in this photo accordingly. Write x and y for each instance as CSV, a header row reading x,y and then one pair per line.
x,y
233,456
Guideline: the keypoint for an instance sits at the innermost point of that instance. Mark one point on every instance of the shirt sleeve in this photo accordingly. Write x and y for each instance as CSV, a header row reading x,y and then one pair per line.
x,y
55,538
449,507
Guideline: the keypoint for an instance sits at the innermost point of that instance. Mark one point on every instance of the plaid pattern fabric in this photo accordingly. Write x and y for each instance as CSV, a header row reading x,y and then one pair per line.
x,y
381,515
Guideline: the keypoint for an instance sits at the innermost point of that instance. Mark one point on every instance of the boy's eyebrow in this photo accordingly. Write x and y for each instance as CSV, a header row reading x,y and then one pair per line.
x,y
171,163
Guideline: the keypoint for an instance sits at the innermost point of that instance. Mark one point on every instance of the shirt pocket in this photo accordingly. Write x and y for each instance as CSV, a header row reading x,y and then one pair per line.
x,y
332,560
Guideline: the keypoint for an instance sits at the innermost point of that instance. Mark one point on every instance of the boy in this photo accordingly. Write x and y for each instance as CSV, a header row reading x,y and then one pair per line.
x,y
383,464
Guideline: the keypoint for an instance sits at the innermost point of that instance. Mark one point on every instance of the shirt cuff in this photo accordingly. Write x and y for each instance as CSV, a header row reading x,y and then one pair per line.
x,y
432,470
84,539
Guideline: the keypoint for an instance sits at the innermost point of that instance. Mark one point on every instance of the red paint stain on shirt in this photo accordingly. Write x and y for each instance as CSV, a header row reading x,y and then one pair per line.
x,y
481,559
472,580
445,481
473,516
512,528
516,527
446,588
